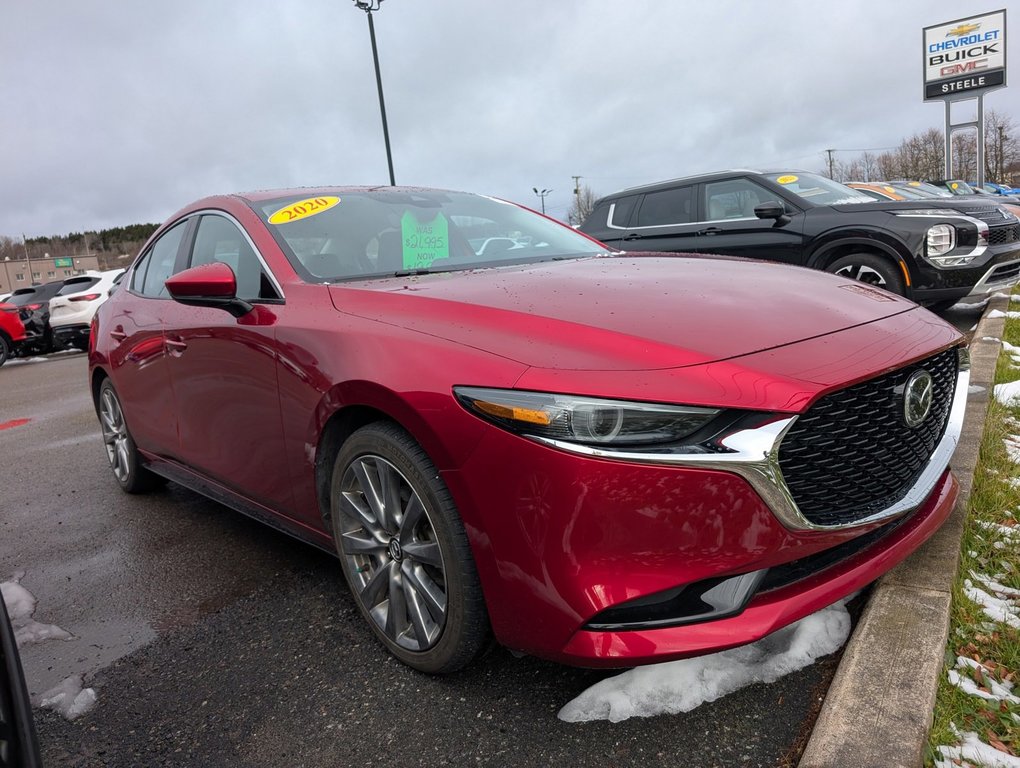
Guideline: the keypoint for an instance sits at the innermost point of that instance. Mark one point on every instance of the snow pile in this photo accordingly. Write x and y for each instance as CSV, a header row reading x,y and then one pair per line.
x,y
69,698
20,607
996,608
25,360
680,686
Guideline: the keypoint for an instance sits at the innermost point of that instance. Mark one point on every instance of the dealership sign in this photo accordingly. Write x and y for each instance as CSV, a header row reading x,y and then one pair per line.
x,y
964,56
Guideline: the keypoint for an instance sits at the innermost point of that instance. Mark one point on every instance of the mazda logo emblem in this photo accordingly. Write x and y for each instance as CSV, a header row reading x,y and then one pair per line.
x,y
918,393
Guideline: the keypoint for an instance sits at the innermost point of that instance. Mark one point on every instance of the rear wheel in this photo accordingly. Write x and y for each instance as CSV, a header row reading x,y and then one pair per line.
x,y
5,349
120,447
869,268
404,551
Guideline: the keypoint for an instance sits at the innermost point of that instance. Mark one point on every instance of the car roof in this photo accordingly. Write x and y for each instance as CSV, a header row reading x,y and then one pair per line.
x,y
262,195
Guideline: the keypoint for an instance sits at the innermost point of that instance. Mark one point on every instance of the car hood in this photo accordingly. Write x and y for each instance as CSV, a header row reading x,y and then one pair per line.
x,y
633,312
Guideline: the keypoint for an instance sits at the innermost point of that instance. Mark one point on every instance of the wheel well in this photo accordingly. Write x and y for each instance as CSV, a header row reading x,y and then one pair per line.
x,y
337,429
98,376
846,249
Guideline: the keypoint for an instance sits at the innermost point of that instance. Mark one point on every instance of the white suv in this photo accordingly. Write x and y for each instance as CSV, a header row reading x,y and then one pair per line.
x,y
74,306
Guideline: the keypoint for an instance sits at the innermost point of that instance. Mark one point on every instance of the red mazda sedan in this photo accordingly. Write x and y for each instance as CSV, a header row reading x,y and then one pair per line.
x,y
501,428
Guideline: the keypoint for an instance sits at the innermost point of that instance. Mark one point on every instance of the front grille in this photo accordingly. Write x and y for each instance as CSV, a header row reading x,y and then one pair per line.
x,y
1002,235
853,455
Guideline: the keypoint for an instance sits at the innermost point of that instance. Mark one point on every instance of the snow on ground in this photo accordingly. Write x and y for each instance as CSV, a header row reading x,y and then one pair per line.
x,y
997,690
20,607
1008,394
991,338
69,698
973,389
999,313
680,686
26,360
1012,443
995,608
974,752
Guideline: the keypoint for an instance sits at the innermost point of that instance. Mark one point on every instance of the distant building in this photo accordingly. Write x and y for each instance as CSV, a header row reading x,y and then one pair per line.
x,y
21,274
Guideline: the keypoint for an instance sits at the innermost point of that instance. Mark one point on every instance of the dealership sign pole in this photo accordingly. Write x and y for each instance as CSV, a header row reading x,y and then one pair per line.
x,y
963,60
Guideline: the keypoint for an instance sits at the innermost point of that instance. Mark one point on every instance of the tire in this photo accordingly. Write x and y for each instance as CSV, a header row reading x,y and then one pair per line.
x,y
411,571
120,447
5,349
869,268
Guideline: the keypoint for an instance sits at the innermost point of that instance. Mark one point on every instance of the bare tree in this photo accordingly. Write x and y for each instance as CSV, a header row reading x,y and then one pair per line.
x,y
583,205
1002,145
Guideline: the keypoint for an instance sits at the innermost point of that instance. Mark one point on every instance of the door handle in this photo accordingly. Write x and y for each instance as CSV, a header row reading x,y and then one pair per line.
x,y
118,334
632,236
710,231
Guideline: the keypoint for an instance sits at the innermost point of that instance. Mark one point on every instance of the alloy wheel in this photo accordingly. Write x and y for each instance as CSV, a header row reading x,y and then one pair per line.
x,y
862,273
391,553
115,434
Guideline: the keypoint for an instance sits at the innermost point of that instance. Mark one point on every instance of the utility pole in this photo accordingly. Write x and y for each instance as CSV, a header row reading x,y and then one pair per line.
x,y
577,191
830,151
28,266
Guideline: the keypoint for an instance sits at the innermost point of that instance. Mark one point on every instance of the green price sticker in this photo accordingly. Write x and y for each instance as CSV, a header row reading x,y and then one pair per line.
x,y
424,241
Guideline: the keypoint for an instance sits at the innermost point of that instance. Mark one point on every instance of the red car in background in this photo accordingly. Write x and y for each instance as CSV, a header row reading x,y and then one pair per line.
x,y
501,427
12,331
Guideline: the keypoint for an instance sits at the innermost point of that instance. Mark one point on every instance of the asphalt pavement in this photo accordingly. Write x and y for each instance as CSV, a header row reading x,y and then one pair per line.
x,y
212,640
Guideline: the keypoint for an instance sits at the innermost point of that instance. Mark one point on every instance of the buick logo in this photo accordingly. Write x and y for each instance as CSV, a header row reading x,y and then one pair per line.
x,y
918,393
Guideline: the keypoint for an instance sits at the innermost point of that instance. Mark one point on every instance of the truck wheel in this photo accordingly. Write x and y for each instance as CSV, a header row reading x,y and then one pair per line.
x,y
869,268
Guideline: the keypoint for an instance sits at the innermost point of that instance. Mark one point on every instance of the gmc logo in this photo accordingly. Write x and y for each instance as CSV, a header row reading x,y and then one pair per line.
x,y
962,69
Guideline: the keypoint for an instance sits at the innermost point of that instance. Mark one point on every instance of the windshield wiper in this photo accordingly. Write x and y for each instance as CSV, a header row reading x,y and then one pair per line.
x,y
409,272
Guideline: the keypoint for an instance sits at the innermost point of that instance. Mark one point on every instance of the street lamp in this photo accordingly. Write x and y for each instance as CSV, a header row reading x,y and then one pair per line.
x,y
541,194
368,6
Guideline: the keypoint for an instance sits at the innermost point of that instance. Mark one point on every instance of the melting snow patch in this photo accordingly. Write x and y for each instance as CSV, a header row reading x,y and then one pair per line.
x,y
993,607
1008,394
999,313
976,752
1012,447
1007,532
20,607
26,360
680,686
975,388
69,698
991,338
996,691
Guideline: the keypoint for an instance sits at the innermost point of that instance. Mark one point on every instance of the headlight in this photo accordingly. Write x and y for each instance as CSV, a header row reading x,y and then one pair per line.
x,y
941,239
591,421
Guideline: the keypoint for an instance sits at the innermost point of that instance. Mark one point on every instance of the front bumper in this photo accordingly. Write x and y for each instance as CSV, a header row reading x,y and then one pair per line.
x,y
568,544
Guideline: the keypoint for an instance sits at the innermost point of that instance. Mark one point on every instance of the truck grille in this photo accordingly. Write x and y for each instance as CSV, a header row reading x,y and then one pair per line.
x,y
853,455
1002,235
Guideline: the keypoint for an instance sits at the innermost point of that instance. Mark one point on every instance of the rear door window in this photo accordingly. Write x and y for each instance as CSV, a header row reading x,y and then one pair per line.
x,y
665,207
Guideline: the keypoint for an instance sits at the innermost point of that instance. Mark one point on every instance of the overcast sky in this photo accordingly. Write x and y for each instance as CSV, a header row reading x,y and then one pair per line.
x,y
121,112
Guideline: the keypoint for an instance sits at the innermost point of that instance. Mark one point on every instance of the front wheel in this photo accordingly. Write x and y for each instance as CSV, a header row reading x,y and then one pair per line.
x,y
869,268
120,447
5,349
404,551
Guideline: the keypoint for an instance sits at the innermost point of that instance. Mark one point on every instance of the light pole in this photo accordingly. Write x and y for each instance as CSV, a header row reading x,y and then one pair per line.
x,y
368,6
541,194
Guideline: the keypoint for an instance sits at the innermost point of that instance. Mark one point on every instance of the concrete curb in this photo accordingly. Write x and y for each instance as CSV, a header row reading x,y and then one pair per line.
x,y
878,710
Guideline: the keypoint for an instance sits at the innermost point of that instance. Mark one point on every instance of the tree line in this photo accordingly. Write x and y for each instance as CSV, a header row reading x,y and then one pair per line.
x,y
923,156
106,244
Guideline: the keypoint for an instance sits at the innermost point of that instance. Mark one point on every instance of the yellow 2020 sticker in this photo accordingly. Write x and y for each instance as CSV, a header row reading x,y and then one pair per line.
x,y
302,209
786,179
954,185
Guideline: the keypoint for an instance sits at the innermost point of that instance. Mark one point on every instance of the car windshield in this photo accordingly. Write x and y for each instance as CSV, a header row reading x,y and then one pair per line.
x,y
818,190
376,233
923,188
76,285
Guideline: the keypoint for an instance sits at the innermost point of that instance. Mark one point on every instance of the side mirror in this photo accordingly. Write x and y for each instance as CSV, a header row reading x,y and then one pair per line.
x,y
208,285
772,210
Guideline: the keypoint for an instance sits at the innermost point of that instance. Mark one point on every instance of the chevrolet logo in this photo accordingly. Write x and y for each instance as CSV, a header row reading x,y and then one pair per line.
x,y
963,30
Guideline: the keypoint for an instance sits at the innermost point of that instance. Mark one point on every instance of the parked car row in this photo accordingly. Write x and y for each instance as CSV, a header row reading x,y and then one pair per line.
x,y
39,319
934,251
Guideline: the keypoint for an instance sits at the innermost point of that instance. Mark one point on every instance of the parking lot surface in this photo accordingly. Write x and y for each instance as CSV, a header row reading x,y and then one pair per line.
x,y
213,640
